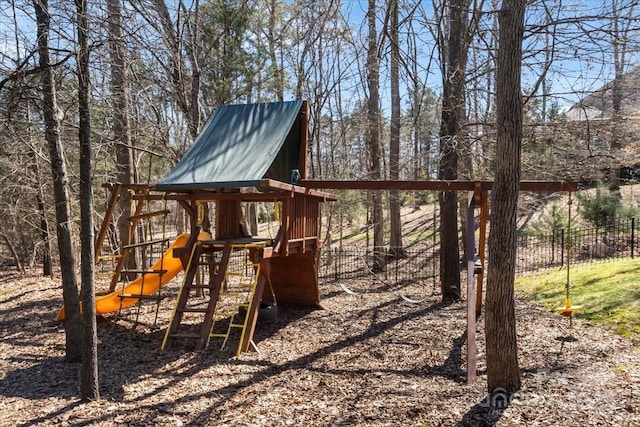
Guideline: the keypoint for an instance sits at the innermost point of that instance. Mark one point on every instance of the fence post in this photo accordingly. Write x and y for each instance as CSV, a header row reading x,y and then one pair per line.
x,y
553,245
562,246
633,235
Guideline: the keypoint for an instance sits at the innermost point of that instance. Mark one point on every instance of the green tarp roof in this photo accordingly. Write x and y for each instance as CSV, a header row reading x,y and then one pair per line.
x,y
240,145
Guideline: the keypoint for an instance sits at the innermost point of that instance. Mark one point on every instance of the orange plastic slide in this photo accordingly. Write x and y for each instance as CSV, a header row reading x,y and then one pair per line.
x,y
146,284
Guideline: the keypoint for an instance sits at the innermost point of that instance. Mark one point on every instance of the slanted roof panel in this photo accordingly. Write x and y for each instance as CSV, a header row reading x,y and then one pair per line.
x,y
238,146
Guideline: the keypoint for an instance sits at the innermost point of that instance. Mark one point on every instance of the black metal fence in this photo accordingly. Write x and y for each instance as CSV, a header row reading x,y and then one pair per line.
x,y
420,263
585,245
358,263
412,273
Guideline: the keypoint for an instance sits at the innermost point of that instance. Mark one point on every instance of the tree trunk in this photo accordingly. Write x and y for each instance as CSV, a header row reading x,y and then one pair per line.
x,y
47,268
73,320
395,243
193,45
89,389
14,253
619,36
44,223
277,73
503,371
373,137
253,218
454,55
121,123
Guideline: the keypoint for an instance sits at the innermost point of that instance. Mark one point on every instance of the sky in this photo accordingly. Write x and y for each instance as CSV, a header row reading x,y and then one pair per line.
x,y
579,71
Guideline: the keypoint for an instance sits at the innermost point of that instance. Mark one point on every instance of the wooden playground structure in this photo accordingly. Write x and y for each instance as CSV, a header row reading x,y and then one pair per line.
x,y
244,154
282,269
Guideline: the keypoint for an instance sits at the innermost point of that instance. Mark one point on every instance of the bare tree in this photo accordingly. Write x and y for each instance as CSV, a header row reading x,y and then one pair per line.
x,y
500,324
453,44
73,320
275,47
373,135
394,143
44,221
424,102
621,18
89,389
184,82
121,123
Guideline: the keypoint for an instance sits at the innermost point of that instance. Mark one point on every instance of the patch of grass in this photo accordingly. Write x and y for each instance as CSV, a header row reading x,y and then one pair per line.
x,y
609,292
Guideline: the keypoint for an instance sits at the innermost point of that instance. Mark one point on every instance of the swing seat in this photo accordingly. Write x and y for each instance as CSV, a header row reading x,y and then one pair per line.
x,y
568,308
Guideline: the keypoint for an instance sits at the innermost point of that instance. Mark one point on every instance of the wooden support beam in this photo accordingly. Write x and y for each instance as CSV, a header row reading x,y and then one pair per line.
x,y
538,186
484,208
278,185
471,290
204,196
262,283
113,201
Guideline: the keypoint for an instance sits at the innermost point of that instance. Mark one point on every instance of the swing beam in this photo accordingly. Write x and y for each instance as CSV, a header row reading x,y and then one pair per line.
x,y
478,198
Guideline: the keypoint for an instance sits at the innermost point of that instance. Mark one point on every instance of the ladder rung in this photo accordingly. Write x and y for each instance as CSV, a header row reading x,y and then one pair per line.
x,y
147,243
218,335
149,214
141,296
236,325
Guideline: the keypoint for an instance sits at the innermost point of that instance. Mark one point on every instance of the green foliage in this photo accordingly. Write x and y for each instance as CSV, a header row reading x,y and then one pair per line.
x,y
628,209
600,208
607,290
225,28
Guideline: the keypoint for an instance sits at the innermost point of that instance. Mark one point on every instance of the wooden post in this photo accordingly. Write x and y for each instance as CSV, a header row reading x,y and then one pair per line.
x,y
484,205
263,279
227,219
108,216
471,292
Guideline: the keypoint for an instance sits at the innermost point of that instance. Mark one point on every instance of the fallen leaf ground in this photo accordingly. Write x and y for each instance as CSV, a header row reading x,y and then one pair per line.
x,y
369,359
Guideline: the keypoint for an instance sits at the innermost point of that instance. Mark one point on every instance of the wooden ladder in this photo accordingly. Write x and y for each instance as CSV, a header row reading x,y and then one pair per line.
x,y
190,289
241,280
232,287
